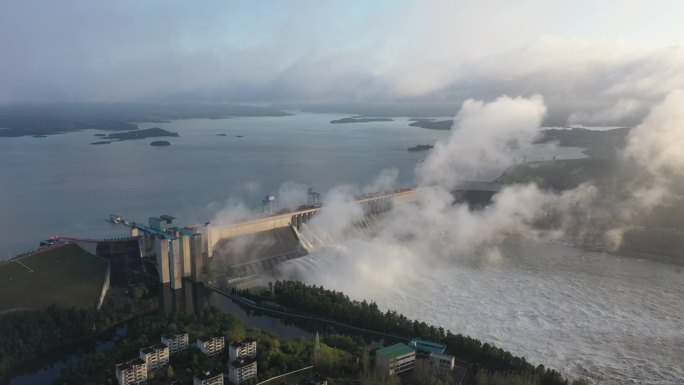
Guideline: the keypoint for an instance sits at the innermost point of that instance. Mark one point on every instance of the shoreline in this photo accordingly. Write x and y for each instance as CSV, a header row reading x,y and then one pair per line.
x,y
14,371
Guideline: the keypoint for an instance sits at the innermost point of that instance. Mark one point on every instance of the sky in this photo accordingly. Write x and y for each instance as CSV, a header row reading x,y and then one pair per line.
x,y
599,62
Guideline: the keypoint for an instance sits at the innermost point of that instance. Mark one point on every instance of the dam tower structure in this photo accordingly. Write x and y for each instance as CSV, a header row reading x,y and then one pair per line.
x,y
178,250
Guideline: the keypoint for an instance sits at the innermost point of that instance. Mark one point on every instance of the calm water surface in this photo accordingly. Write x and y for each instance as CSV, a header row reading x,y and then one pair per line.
x,y
63,185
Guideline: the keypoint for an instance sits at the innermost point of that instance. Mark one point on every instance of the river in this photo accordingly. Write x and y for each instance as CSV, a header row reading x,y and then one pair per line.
x,y
45,368
611,318
63,185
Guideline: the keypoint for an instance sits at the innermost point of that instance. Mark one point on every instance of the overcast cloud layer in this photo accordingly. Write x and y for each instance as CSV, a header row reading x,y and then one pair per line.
x,y
595,63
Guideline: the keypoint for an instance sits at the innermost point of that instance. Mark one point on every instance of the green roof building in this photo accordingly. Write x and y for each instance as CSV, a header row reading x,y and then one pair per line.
x,y
394,359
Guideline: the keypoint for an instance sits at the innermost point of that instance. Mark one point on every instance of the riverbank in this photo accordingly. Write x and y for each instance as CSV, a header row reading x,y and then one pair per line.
x,y
315,303
58,329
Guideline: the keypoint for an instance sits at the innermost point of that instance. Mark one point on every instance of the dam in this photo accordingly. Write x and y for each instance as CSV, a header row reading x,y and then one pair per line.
x,y
246,248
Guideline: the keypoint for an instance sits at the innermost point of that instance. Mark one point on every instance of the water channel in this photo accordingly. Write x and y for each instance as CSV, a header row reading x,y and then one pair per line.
x,y
46,368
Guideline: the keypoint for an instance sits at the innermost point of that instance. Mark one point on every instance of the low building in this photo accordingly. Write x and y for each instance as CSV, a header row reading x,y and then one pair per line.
x,y
176,342
242,370
155,357
246,348
213,377
131,372
212,345
394,359
427,346
442,362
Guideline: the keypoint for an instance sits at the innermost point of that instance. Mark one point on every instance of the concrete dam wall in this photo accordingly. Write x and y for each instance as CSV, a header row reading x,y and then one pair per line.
x,y
373,204
249,247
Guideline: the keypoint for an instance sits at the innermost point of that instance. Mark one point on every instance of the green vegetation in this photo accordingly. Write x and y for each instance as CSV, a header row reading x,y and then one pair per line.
x,y
561,175
655,234
598,143
40,127
66,276
360,119
153,132
432,124
337,306
274,356
56,118
421,147
27,334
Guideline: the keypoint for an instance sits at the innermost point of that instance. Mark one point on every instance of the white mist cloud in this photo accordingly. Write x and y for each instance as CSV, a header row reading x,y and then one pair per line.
x,y
292,195
625,110
485,137
385,181
434,229
657,144
340,51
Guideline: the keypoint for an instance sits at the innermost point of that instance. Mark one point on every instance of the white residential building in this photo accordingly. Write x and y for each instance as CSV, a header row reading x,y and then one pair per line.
x,y
246,348
131,372
176,342
209,378
242,370
155,357
212,345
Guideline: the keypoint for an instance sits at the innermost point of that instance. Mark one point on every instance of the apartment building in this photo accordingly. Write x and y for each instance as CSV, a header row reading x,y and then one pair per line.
x,y
242,370
155,357
131,372
213,377
246,348
176,342
212,345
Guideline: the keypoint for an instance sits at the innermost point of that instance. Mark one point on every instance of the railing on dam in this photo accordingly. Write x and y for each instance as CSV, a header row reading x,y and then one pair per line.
x,y
373,203
471,191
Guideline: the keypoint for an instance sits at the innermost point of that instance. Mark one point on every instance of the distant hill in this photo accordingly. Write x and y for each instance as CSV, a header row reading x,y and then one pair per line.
x,y
153,132
432,124
598,143
360,119
50,119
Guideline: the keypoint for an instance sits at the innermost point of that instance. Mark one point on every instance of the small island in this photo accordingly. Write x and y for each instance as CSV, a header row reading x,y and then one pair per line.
x,y
160,143
39,136
421,147
153,132
220,134
101,142
239,136
100,134
431,124
360,119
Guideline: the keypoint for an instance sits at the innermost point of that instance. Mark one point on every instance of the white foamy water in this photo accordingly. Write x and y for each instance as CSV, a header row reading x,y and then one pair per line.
x,y
603,316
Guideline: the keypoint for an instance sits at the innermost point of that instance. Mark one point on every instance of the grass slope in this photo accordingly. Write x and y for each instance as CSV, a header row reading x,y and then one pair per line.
x,y
66,276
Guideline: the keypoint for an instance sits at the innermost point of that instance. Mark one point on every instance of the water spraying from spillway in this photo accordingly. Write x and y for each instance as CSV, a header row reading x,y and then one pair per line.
x,y
488,273
583,313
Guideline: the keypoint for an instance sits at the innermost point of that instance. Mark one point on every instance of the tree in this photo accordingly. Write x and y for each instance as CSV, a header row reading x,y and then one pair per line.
x,y
236,332
169,372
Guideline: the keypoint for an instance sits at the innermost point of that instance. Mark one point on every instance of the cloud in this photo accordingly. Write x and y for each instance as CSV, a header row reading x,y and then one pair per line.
x,y
435,229
599,69
625,110
485,137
